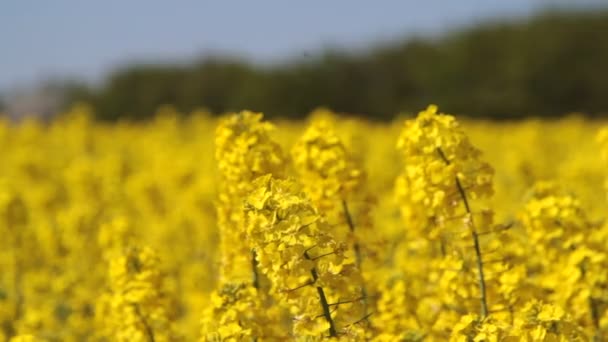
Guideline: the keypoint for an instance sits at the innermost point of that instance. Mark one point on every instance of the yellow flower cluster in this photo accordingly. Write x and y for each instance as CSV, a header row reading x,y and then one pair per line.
x,y
240,308
443,174
75,194
237,313
313,279
344,238
480,277
137,309
244,151
570,261
334,180
328,171
546,322
535,322
439,164
26,338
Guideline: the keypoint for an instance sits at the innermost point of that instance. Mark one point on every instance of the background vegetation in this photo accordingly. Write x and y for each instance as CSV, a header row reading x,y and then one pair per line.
x,y
548,65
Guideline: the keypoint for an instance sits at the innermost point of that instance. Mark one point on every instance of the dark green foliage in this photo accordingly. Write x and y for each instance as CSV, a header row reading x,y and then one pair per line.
x,y
550,65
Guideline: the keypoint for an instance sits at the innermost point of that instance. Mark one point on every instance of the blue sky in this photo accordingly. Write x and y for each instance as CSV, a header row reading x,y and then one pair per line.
x,y
86,39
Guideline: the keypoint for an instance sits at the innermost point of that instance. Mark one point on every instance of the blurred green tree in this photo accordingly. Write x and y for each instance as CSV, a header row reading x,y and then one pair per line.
x,y
548,65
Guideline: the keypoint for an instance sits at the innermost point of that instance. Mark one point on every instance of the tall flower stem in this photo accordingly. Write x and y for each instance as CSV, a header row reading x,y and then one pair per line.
x,y
254,270
357,248
475,237
324,304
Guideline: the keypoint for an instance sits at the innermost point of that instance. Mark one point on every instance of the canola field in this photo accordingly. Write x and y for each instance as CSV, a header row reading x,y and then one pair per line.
x,y
196,228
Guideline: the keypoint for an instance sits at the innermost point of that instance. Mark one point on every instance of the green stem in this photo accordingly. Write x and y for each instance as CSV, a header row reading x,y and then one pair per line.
x,y
595,315
351,226
476,245
357,248
147,327
254,270
482,282
324,304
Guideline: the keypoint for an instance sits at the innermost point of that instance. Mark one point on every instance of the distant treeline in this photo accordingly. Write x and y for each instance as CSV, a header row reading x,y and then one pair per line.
x,y
548,65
